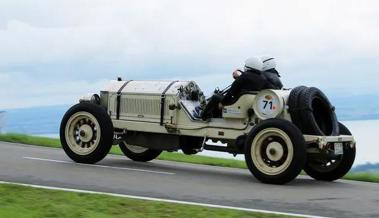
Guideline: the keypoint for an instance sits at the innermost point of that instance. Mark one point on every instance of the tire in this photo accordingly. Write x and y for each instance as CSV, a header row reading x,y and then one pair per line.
x,y
319,113
138,153
312,112
320,170
190,145
275,151
294,107
86,133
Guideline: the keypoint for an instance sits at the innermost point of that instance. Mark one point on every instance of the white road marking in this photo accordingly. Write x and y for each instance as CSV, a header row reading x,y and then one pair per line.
x,y
100,166
162,200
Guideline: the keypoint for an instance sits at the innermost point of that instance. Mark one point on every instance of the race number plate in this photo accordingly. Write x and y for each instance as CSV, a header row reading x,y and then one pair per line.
x,y
268,105
338,148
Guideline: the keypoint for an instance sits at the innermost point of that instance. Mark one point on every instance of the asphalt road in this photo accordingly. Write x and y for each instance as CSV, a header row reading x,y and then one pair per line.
x,y
187,182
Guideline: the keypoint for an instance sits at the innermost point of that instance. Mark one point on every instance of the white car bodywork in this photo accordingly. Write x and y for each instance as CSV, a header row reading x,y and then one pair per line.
x,y
140,108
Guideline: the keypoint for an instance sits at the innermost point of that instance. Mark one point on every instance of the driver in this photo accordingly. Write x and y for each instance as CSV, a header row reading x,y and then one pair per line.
x,y
249,80
271,74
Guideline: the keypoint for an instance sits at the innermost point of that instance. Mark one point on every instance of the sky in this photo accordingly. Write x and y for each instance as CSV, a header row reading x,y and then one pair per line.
x,y
52,52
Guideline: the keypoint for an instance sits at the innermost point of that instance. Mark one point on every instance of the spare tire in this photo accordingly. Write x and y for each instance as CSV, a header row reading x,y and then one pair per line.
x,y
294,107
312,112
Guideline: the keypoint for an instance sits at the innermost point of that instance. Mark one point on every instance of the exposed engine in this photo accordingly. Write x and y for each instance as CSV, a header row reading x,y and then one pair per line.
x,y
192,92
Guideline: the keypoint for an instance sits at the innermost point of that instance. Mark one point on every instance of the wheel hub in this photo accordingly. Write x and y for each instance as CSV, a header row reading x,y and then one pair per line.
x,y
136,149
85,133
274,151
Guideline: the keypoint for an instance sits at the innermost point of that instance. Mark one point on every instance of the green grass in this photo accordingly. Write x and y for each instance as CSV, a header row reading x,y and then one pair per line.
x,y
363,176
26,202
31,140
170,156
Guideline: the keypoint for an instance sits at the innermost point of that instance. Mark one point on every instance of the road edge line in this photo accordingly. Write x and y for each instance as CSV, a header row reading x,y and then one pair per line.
x,y
160,199
99,166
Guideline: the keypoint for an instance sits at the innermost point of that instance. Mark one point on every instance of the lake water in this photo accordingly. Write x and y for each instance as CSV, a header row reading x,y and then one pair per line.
x,y
46,120
365,133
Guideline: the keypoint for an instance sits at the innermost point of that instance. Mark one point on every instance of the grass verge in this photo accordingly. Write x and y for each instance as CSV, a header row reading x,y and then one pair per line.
x,y
26,202
196,159
363,176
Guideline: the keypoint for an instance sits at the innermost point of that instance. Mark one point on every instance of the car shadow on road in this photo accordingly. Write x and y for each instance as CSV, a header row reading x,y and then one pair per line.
x,y
241,176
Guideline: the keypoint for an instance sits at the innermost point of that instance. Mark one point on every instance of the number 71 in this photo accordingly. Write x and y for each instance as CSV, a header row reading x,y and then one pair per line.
x,y
266,104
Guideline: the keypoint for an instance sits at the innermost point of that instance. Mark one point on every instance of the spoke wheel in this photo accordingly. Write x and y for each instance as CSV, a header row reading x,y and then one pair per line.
x,y
83,133
86,133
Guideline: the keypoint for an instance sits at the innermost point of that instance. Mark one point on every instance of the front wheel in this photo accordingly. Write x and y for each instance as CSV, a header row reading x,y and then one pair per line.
x,y
138,153
330,169
86,133
275,151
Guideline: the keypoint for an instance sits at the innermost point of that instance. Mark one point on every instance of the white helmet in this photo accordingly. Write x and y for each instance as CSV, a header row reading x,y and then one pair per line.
x,y
254,63
268,62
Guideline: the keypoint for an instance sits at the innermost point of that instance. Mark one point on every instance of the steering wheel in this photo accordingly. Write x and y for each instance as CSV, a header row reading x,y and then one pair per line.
x,y
217,91
224,91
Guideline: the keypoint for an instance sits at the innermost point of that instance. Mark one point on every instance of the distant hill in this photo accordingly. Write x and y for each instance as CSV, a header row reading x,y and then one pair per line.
x,y
35,120
360,107
2,120
369,167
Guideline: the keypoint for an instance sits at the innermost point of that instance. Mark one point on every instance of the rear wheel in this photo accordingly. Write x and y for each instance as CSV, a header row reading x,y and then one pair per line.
x,y
139,153
330,169
86,133
275,151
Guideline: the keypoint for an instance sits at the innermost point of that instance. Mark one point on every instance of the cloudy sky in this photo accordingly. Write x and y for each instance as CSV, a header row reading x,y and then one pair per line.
x,y
51,52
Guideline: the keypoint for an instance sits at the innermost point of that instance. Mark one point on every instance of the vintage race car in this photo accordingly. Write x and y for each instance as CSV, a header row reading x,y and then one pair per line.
x,y
280,132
